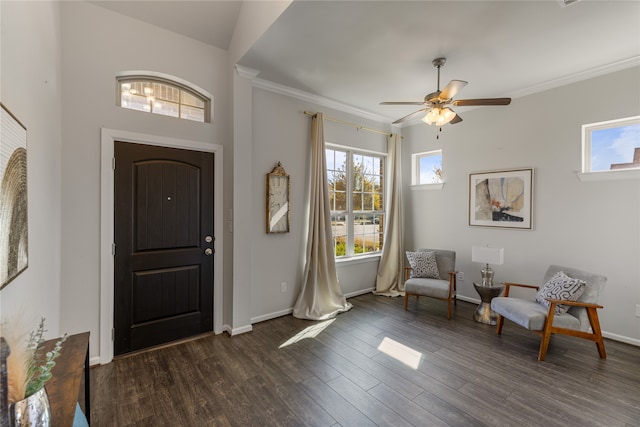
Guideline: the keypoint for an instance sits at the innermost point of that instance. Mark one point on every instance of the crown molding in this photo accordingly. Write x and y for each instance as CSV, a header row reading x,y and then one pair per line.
x,y
336,105
562,81
246,72
577,77
320,100
567,3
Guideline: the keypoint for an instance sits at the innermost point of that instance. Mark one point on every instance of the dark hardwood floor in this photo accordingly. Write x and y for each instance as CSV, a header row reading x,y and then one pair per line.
x,y
355,371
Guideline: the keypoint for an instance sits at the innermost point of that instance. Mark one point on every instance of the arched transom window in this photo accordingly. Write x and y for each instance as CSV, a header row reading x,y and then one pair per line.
x,y
165,97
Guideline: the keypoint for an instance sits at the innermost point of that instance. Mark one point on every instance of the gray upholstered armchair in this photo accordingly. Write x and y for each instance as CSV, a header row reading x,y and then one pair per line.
x,y
565,312
429,279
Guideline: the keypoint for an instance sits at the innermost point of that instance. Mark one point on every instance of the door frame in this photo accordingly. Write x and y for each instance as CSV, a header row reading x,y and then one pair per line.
x,y
108,138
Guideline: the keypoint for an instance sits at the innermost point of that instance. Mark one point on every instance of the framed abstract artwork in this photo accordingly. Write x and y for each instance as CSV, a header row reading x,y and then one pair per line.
x,y
501,199
14,250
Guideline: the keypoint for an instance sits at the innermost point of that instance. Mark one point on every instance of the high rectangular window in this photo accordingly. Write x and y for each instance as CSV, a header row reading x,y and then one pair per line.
x,y
611,145
426,167
356,197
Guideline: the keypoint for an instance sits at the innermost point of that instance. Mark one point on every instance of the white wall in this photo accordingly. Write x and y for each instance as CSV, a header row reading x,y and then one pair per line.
x,y
238,299
281,133
96,45
593,226
254,19
65,56
30,89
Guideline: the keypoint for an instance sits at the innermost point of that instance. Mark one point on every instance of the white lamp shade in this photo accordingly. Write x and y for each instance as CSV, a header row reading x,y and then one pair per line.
x,y
487,255
446,115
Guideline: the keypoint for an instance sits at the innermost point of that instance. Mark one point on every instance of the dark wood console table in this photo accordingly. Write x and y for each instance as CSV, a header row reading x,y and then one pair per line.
x,y
64,387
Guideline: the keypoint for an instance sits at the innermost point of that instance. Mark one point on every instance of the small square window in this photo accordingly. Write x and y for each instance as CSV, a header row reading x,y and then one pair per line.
x,y
611,146
426,168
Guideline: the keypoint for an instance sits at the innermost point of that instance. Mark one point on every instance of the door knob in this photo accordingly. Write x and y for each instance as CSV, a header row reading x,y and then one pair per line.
x,y
208,239
208,251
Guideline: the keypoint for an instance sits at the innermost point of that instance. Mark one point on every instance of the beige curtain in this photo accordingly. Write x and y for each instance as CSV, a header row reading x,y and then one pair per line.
x,y
390,279
321,297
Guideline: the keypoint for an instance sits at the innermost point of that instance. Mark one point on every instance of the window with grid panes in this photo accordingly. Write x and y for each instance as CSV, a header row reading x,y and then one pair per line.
x,y
356,197
163,97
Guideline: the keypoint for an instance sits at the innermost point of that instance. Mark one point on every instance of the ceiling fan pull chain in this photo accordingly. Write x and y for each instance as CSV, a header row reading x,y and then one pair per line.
x,y
438,134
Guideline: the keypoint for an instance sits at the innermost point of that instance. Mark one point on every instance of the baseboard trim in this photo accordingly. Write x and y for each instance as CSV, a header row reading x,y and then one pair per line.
x,y
270,316
609,335
621,338
468,299
360,292
237,331
288,311
96,360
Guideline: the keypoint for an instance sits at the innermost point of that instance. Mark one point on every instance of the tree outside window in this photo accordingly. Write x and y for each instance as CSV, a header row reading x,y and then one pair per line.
x,y
356,182
427,168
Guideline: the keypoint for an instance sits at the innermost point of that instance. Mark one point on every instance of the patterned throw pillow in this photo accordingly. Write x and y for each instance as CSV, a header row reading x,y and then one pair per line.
x,y
561,287
423,265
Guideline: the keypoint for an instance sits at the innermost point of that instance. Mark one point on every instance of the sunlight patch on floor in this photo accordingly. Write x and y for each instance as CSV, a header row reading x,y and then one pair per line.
x,y
400,352
310,332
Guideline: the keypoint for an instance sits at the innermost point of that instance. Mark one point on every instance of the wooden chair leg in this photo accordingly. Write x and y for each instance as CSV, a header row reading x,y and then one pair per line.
x,y
449,309
546,333
499,324
595,327
406,299
455,291
544,344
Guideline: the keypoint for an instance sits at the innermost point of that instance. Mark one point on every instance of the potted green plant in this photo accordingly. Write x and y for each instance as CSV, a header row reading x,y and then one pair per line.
x,y
28,373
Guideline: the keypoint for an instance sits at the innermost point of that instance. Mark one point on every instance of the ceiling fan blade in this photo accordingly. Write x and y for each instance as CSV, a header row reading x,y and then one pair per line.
x,y
456,119
452,89
402,119
484,101
402,103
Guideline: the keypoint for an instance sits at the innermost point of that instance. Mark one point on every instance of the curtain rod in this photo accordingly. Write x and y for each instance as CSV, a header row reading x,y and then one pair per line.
x,y
308,113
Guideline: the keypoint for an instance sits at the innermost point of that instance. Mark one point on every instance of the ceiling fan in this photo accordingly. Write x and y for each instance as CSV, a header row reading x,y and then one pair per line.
x,y
436,104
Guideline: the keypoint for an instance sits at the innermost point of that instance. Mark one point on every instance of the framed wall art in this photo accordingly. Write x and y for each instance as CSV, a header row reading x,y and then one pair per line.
x,y
14,250
278,200
501,199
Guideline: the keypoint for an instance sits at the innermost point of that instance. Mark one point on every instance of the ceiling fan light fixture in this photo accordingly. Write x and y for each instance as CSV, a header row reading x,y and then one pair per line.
x,y
446,115
432,116
437,102
439,116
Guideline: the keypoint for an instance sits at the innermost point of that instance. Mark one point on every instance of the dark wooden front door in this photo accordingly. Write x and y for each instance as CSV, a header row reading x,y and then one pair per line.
x,y
163,245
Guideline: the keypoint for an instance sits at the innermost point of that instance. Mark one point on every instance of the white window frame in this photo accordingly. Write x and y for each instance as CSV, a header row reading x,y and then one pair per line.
x,y
178,84
349,212
587,174
415,171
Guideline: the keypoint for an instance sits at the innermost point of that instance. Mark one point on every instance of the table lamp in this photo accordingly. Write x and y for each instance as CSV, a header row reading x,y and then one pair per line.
x,y
487,256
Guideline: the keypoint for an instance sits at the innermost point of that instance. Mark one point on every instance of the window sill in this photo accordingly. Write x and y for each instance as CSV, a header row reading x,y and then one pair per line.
x,y
609,175
358,259
422,187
